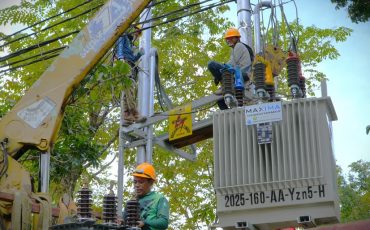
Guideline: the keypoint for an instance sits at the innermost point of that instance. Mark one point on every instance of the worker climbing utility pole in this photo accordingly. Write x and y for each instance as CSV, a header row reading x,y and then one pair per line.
x,y
144,82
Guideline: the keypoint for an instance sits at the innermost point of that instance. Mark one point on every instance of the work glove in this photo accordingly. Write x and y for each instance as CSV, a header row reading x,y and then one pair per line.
x,y
141,52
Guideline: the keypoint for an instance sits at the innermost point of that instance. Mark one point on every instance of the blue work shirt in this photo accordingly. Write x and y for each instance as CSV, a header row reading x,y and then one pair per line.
x,y
125,49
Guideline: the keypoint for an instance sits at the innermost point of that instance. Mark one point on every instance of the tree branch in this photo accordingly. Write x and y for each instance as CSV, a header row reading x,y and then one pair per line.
x,y
114,138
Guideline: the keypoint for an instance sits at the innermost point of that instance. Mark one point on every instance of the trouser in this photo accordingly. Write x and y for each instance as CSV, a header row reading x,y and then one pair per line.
x,y
215,68
129,100
134,70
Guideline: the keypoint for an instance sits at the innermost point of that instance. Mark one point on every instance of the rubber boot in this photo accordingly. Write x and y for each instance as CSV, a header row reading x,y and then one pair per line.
x,y
137,117
128,118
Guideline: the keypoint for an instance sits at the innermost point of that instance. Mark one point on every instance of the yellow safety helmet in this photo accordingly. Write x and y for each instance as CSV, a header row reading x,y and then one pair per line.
x,y
145,170
232,32
138,29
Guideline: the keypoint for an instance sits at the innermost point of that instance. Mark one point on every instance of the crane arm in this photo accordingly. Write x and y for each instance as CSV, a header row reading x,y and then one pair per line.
x,y
36,119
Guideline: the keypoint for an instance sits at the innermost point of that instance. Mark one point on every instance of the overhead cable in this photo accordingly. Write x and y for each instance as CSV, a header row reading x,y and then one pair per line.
x,y
173,12
154,3
4,58
47,19
54,16
51,26
210,6
34,56
44,58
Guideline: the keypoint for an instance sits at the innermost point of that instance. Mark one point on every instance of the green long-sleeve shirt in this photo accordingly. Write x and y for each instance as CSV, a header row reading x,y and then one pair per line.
x,y
154,211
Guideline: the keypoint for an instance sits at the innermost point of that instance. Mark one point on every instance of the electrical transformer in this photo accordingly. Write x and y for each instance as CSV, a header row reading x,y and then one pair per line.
x,y
288,182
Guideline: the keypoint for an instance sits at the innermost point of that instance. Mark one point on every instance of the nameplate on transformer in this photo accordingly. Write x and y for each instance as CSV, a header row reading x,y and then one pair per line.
x,y
270,198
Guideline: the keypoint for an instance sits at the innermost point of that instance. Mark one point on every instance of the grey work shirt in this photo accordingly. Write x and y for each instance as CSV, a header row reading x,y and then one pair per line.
x,y
240,56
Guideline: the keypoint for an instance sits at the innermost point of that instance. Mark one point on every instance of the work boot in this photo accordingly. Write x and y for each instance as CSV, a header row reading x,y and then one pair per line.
x,y
128,118
127,123
137,117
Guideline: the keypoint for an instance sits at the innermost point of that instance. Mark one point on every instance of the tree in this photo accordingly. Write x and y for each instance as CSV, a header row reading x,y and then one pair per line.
x,y
354,191
358,10
88,133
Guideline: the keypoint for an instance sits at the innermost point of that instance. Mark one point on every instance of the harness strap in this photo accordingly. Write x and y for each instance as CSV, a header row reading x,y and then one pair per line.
x,y
21,211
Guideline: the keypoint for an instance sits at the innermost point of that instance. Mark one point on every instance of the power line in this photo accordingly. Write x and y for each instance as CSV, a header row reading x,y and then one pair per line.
x,y
154,3
30,63
22,51
47,19
49,27
34,56
210,6
37,23
173,12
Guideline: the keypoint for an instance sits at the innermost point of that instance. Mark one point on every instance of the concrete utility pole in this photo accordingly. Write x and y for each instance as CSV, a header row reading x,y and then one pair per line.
x,y
149,143
121,167
144,93
244,21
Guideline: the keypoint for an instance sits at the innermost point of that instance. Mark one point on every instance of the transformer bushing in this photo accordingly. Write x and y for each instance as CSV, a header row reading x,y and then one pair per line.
x,y
302,85
293,69
239,95
228,87
109,208
132,214
84,203
270,89
259,72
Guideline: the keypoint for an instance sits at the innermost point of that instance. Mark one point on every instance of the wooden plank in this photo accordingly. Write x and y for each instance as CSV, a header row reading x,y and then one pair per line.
x,y
197,135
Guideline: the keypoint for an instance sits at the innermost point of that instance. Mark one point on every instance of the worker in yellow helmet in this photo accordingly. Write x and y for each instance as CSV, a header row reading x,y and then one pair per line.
x,y
126,51
154,207
240,57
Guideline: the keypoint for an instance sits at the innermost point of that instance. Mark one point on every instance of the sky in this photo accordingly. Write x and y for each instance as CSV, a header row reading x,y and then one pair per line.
x,y
349,79
349,76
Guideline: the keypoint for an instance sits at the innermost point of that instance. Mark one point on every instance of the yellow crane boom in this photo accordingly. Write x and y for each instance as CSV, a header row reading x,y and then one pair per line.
x,y
36,119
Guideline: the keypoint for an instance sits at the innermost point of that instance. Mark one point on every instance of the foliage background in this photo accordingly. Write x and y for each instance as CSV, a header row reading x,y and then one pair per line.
x,y
88,138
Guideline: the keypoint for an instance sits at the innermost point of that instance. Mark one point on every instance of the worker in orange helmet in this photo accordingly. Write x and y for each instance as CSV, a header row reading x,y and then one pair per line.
x,y
240,57
154,207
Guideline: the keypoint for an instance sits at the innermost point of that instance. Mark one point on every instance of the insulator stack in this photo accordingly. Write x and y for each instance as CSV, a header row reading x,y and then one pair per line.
x,y
259,75
302,85
271,91
293,70
109,208
84,203
228,83
239,95
133,213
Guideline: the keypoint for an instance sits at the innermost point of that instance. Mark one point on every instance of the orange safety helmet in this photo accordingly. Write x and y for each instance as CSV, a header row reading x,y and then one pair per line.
x,y
145,170
232,32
